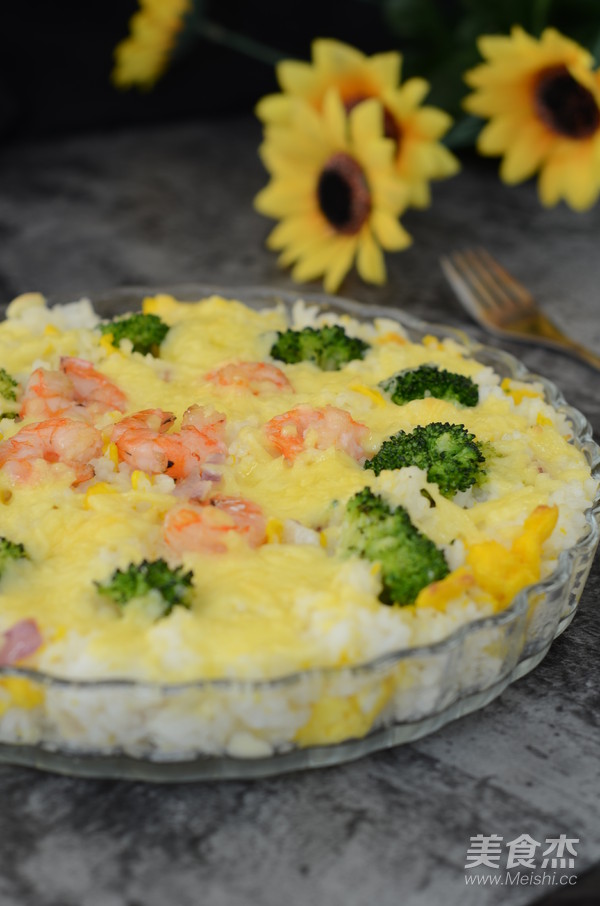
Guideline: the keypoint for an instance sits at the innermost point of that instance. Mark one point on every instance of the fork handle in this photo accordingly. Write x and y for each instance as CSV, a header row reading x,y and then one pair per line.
x,y
546,328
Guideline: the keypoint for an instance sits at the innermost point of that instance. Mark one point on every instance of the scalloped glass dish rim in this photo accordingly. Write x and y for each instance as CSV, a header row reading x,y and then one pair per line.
x,y
257,296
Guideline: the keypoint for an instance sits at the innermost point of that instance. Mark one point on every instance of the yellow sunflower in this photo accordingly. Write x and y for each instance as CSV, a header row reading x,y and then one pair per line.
x,y
142,57
419,157
335,190
543,103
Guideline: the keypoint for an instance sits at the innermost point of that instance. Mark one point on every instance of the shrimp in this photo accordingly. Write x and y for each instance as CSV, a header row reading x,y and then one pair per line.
x,y
53,440
90,386
155,421
203,433
253,376
143,443
291,432
206,528
48,393
76,390
139,439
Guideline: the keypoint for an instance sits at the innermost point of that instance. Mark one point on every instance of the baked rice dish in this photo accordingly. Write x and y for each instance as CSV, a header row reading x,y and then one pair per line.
x,y
237,531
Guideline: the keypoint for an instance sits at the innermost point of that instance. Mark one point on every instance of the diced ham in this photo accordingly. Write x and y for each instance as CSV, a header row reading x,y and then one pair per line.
x,y
20,640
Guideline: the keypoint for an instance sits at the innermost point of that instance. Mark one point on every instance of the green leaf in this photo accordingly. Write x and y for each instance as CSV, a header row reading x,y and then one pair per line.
x,y
464,132
414,18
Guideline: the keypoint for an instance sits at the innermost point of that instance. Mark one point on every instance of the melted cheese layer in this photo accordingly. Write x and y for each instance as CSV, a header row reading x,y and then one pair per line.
x,y
283,606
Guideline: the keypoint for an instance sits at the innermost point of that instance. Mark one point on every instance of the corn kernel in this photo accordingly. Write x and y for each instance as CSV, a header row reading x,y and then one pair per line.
x,y
100,488
274,531
140,479
106,342
112,453
149,305
369,392
51,331
391,337
153,305
518,394
22,693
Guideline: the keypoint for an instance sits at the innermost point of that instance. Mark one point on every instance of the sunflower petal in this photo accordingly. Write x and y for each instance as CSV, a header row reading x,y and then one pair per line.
x,y
306,245
274,108
387,66
497,135
292,230
413,92
366,121
581,181
342,258
493,47
335,117
279,200
315,262
550,184
432,123
377,154
296,77
335,57
369,260
419,195
524,156
389,232
444,163
390,194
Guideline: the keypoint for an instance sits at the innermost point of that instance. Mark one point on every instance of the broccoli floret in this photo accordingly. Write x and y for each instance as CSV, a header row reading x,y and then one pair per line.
x,y
9,550
429,380
409,560
8,386
328,347
140,578
452,458
146,332
8,395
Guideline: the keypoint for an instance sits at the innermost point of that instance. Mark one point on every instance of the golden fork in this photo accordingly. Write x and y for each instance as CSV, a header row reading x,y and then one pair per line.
x,y
502,305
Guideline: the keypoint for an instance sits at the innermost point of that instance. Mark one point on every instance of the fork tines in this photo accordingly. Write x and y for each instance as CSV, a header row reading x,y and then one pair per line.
x,y
503,306
485,288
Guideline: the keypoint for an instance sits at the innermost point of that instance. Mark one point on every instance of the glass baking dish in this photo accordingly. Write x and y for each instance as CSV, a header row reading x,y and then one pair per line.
x,y
228,728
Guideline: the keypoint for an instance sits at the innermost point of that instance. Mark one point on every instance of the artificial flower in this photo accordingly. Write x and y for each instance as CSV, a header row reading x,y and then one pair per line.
x,y
542,100
142,57
335,190
419,157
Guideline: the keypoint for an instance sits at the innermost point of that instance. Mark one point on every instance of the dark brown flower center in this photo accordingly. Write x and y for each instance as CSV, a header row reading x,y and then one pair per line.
x,y
343,194
564,105
391,127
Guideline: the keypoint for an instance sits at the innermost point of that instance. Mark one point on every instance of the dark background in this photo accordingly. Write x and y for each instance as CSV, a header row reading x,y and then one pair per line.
x,y
57,57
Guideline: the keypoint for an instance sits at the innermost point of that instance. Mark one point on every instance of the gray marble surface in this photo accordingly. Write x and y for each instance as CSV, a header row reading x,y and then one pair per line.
x,y
174,205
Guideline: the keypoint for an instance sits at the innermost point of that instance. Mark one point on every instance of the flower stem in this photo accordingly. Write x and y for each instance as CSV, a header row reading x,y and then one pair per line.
x,y
218,34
